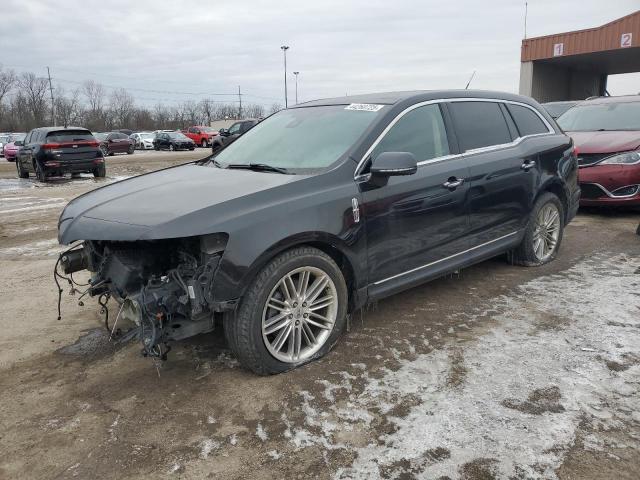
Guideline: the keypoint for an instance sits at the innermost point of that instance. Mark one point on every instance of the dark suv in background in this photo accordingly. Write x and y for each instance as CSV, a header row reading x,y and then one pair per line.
x,y
226,136
320,209
54,151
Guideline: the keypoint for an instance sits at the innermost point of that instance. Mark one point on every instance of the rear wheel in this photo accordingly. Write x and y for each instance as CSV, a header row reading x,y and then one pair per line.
x,y
156,148
543,234
293,312
100,171
21,172
171,147
131,150
40,173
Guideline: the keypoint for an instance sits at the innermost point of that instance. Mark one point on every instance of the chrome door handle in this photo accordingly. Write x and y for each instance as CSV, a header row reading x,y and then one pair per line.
x,y
526,166
453,183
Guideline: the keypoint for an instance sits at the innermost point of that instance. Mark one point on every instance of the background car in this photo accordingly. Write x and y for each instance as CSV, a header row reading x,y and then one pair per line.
x,y
143,140
606,132
10,150
54,151
556,109
115,142
4,139
201,135
226,136
173,141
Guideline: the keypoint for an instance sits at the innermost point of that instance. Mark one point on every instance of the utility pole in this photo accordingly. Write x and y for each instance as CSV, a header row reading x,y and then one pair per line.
x,y
53,111
240,100
296,74
284,49
526,10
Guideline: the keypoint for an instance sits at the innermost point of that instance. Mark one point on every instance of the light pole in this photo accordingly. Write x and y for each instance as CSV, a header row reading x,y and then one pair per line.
x,y
296,74
284,49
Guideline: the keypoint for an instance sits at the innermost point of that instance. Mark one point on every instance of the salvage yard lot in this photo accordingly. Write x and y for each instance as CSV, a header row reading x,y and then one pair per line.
x,y
498,372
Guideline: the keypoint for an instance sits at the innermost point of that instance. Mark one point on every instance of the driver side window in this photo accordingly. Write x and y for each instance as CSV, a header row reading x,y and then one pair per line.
x,y
421,132
235,128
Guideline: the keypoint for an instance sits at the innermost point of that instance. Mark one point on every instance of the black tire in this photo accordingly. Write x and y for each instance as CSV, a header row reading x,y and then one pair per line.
x,y
156,148
21,172
171,147
131,150
524,254
215,147
40,173
100,171
105,151
191,149
243,329
204,143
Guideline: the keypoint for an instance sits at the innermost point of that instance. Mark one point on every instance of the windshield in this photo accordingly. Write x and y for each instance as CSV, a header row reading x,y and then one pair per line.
x,y
17,137
557,109
145,136
100,136
308,138
602,116
207,129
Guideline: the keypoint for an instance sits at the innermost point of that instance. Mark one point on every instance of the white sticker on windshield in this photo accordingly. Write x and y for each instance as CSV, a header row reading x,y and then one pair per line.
x,y
367,107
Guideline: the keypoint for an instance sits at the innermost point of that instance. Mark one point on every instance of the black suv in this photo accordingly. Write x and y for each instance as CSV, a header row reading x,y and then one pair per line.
x,y
50,151
227,136
322,208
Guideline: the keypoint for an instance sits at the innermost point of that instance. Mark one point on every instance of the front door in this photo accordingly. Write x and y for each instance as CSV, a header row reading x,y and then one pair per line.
x,y
418,220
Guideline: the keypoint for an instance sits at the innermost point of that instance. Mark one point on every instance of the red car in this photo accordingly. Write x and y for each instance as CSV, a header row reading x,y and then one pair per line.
x,y
201,135
606,133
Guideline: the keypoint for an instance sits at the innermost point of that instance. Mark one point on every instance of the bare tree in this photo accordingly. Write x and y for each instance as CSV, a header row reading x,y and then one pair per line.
x,y
191,113
7,82
68,108
254,110
35,90
207,108
121,106
275,107
161,115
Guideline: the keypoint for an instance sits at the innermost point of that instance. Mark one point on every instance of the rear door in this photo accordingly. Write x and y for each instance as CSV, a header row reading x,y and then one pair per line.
x,y
414,222
501,181
25,152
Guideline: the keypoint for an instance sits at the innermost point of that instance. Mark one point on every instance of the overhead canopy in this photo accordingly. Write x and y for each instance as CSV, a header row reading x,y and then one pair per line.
x,y
573,65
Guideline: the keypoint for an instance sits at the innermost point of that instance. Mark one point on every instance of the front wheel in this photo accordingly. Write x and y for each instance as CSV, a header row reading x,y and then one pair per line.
x,y
171,147
543,234
131,149
293,312
204,143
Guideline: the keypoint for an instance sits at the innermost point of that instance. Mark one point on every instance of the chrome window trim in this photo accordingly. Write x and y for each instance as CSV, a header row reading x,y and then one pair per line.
x,y
551,131
611,194
444,259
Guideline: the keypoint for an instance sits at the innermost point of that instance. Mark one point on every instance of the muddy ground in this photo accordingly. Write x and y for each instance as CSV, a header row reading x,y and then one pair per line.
x,y
498,372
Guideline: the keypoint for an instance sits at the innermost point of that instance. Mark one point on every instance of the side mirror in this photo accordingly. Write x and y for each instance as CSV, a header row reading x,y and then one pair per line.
x,y
18,143
223,131
389,164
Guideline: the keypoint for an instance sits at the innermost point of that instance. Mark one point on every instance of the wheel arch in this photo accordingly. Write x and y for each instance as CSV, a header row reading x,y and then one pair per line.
x,y
325,242
556,187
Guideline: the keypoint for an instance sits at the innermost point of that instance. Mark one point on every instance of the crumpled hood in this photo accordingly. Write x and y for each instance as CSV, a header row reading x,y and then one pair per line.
x,y
606,142
182,201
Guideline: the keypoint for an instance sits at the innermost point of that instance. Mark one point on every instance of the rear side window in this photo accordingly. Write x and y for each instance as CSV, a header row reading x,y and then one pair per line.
x,y
69,136
479,124
421,132
528,122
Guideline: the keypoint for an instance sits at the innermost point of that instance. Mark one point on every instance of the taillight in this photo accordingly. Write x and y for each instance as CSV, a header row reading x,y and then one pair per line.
x,y
50,146
93,144
98,160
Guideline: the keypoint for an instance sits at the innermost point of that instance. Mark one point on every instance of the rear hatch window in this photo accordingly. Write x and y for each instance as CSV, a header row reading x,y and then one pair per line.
x,y
69,136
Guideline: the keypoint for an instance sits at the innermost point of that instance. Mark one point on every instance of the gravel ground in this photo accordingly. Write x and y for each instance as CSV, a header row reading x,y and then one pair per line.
x,y
498,372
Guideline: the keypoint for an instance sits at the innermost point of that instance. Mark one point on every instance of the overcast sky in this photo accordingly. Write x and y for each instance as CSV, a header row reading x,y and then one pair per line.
x,y
157,49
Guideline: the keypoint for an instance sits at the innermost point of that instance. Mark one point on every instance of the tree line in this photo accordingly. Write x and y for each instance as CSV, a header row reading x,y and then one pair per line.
x,y
25,103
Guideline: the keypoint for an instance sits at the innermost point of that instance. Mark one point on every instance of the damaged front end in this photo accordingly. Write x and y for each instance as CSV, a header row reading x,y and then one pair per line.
x,y
163,288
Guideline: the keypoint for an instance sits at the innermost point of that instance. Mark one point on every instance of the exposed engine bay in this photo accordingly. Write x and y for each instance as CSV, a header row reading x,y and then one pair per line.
x,y
163,289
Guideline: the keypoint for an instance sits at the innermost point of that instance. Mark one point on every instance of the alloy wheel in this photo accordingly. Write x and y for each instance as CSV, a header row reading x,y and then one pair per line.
x,y
546,232
299,315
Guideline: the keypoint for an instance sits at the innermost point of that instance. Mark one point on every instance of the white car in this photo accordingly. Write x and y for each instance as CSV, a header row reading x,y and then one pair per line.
x,y
143,140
